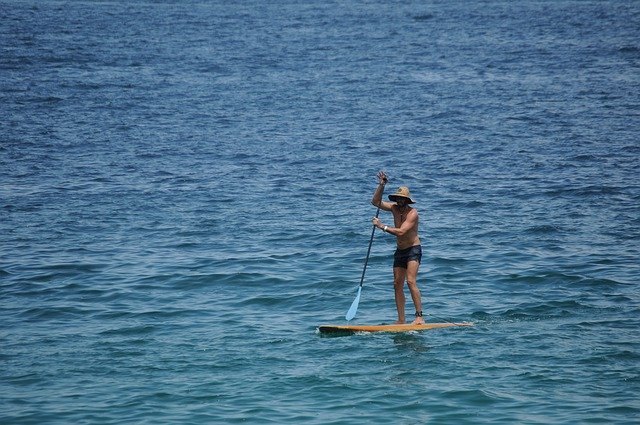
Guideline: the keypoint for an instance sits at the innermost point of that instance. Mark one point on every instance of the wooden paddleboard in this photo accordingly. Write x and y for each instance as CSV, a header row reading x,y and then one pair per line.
x,y
347,329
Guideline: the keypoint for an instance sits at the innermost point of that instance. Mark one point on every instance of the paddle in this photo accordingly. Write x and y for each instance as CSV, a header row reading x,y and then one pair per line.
x,y
354,306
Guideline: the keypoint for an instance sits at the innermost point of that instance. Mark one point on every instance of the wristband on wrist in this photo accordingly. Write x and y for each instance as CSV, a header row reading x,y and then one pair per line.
x,y
384,229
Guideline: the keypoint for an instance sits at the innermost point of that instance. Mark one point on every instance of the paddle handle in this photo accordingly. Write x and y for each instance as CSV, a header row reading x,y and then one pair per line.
x,y
366,260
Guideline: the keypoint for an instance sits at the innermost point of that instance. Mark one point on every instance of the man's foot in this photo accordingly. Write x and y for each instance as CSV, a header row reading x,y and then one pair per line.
x,y
419,320
399,322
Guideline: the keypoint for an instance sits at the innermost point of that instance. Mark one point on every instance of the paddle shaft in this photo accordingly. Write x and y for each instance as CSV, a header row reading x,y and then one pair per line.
x,y
366,260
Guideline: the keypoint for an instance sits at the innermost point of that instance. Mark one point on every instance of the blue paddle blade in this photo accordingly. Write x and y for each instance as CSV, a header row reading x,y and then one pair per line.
x,y
354,306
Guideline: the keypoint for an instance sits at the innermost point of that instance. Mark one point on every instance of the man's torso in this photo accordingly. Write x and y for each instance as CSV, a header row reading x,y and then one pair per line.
x,y
411,237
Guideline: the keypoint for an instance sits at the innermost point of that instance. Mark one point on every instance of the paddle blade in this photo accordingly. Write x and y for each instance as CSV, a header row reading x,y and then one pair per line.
x,y
354,306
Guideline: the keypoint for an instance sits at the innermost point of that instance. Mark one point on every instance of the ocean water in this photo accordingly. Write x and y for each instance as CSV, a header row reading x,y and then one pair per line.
x,y
184,198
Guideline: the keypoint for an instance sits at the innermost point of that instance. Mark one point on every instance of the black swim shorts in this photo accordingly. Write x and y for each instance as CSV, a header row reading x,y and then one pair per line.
x,y
403,256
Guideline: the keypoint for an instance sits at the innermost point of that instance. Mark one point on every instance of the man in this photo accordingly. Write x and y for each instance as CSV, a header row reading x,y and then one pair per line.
x,y
408,255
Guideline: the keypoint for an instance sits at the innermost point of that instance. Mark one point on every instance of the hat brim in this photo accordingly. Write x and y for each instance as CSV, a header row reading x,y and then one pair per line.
x,y
394,198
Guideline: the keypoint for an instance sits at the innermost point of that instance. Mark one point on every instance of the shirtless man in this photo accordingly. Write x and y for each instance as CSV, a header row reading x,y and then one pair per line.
x,y
408,255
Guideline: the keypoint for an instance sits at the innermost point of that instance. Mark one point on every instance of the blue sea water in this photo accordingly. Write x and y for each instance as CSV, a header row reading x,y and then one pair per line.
x,y
184,198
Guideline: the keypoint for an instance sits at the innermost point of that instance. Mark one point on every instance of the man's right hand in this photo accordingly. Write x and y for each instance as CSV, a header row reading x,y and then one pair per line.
x,y
382,178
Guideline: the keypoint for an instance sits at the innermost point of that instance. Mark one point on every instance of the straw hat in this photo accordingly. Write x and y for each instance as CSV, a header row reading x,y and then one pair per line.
x,y
402,192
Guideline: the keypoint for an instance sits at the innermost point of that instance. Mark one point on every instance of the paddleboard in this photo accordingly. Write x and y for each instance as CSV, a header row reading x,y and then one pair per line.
x,y
347,329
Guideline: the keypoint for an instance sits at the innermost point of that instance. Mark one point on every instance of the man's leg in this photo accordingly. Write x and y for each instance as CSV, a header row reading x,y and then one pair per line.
x,y
399,275
412,283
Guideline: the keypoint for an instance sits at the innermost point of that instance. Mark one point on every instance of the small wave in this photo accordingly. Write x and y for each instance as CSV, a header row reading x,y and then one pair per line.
x,y
540,278
442,261
445,115
543,229
549,310
423,17
624,355
51,313
585,158
130,330
592,190
474,397
264,301
76,267
462,204
15,64
629,50
631,149
536,312
27,380
525,118
213,68
604,282
44,99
